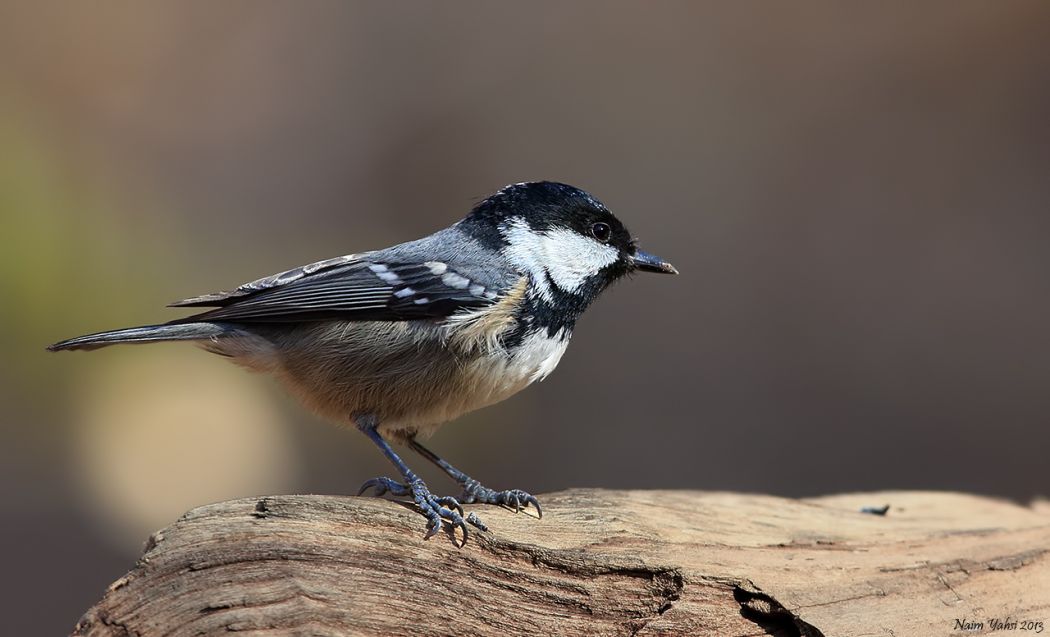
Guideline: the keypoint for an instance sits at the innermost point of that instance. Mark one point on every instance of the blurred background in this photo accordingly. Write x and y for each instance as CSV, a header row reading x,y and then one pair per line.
x,y
857,198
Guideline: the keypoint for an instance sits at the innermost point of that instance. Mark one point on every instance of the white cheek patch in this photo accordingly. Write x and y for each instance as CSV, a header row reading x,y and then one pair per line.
x,y
525,250
567,256
573,258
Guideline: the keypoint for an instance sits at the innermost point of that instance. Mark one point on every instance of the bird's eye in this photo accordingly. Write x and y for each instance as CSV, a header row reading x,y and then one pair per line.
x,y
601,231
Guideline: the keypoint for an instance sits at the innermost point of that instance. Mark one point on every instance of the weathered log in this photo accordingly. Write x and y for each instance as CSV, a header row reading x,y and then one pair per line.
x,y
598,563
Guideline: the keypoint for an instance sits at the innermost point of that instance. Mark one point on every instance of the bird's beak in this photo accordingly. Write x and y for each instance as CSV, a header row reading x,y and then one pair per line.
x,y
651,263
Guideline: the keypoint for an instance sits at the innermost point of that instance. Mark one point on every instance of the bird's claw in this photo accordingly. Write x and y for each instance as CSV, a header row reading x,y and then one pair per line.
x,y
515,499
518,500
437,510
383,486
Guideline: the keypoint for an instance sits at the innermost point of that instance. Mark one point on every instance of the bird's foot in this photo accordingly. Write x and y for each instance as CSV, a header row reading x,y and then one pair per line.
x,y
437,510
516,499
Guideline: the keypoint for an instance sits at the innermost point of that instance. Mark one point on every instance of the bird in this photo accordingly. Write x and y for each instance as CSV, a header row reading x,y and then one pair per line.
x,y
398,341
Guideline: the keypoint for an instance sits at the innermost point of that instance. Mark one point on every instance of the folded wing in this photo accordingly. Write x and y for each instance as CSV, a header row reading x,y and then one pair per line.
x,y
352,287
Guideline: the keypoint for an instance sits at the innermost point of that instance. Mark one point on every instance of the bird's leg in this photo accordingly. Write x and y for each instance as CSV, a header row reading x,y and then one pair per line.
x,y
474,491
437,510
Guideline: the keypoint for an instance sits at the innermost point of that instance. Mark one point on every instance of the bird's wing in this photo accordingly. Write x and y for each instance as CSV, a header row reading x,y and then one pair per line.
x,y
378,286
221,299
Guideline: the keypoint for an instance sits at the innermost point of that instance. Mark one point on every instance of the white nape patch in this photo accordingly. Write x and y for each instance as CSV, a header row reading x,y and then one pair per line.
x,y
437,268
477,290
384,273
453,280
402,293
567,256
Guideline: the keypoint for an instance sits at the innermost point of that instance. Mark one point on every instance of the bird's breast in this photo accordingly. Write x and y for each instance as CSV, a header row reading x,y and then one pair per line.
x,y
479,381
537,355
410,376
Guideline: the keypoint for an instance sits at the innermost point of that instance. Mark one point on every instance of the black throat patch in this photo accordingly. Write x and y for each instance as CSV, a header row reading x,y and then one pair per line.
x,y
554,312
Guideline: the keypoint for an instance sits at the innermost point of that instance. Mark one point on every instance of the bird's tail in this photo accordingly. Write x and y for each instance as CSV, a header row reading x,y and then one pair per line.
x,y
147,334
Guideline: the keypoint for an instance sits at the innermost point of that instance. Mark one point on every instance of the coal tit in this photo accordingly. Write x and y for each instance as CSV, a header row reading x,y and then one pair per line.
x,y
400,340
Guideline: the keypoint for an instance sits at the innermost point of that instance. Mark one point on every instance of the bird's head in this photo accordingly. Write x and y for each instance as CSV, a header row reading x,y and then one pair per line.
x,y
565,239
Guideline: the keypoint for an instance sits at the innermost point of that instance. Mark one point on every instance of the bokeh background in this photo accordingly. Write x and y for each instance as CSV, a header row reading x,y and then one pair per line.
x,y
857,196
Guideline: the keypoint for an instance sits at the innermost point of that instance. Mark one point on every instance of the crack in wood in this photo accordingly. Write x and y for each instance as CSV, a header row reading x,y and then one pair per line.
x,y
664,584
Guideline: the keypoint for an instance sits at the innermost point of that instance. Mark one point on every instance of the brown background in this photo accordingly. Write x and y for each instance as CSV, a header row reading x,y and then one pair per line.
x,y
857,199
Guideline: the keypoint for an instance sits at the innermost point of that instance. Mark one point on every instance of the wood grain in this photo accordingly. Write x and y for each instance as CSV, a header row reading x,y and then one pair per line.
x,y
598,563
